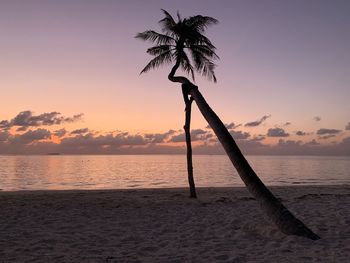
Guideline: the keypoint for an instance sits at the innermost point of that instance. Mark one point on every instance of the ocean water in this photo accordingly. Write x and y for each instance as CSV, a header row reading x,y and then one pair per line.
x,y
162,171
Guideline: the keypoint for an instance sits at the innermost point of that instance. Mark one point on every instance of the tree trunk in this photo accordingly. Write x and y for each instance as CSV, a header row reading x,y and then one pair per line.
x,y
275,210
188,106
187,127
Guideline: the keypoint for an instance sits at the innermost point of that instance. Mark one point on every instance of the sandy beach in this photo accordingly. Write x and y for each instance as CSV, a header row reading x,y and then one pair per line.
x,y
164,225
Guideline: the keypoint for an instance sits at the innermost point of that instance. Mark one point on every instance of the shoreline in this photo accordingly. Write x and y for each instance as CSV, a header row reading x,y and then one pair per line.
x,y
225,224
278,187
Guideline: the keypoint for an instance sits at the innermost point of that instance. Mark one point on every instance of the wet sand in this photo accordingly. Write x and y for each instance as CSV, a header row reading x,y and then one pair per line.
x,y
164,225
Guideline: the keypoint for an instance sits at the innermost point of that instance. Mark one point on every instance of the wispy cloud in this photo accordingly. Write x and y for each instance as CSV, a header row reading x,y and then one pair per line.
x,y
327,133
229,126
80,131
258,138
232,126
26,119
324,131
258,122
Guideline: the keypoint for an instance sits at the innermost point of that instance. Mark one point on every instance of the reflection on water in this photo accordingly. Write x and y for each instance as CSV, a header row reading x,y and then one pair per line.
x,y
158,171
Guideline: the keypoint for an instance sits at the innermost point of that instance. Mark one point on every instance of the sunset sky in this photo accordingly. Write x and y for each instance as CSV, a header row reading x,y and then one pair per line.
x,y
70,82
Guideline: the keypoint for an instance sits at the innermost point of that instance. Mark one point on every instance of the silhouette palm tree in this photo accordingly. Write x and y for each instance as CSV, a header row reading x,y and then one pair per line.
x,y
180,38
186,34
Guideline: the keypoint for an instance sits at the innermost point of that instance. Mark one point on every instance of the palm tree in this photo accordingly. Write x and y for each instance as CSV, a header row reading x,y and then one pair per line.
x,y
171,46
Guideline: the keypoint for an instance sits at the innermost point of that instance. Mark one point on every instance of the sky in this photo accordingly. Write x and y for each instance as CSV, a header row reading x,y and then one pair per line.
x,y
70,77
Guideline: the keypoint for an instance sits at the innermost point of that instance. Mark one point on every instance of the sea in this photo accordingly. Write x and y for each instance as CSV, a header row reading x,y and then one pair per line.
x,y
67,172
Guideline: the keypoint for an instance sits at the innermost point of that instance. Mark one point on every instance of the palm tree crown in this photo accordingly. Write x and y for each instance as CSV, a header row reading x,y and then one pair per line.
x,y
184,43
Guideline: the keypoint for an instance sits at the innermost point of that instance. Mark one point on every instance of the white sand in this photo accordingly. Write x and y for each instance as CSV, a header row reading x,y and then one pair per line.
x,y
223,225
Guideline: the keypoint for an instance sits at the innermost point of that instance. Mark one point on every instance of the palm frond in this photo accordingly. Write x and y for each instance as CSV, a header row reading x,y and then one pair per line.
x,y
156,37
205,50
178,17
203,65
185,63
164,58
157,50
201,23
168,23
196,38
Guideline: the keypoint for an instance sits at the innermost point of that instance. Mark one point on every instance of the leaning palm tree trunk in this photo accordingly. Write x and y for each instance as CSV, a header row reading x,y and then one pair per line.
x,y
275,210
187,127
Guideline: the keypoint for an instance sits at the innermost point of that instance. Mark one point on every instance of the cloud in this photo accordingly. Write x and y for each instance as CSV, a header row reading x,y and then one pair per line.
x,y
60,133
258,138
313,142
28,137
229,126
288,143
26,119
317,118
158,137
5,125
301,133
88,140
311,148
31,136
35,142
75,118
38,134
327,131
258,122
4,135
22,128
277,132
232,126
200,135
239,135
80,131
347,127
178,138
196,135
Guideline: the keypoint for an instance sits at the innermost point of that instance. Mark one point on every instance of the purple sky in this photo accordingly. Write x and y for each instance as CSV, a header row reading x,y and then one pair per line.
x,y
289,60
